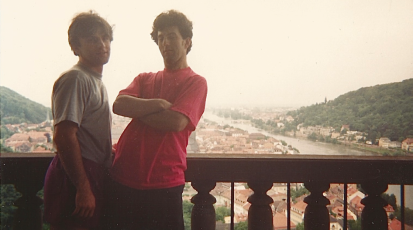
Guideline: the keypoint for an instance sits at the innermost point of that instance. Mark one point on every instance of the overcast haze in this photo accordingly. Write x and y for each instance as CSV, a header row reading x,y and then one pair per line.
x,y
251,52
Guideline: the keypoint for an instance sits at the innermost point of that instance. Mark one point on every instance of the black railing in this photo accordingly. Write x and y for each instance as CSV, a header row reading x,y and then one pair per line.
x,y
26,171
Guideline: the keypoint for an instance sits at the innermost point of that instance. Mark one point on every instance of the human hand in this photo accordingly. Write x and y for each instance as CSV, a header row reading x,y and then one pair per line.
x,y
114,146
85,204
165,104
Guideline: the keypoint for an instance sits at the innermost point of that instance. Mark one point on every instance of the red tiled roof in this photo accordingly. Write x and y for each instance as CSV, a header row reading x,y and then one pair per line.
x,y
300,205
356,202
408,141
395,224
389,208
280,221
34,134
40,149
19,137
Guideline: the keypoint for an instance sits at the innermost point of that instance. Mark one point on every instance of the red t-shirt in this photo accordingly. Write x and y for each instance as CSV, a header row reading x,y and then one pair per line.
x,y
147,158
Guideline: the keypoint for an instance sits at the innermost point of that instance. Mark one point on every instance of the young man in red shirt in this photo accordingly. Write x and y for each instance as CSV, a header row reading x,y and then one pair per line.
x,y
165,107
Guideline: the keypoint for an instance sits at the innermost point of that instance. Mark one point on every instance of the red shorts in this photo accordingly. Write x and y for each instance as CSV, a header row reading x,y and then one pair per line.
x,y
60,193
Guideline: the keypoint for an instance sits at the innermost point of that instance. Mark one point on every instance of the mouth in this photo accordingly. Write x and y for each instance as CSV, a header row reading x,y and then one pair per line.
x,y
102,53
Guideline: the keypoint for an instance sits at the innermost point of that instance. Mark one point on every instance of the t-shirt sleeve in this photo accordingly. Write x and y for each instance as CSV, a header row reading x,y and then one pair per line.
x,y
133,88
191,101
69,98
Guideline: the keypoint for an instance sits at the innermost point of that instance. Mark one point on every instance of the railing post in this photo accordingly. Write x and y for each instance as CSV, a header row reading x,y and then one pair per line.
x,y
316,215
203,212
374,216
260,213
28,214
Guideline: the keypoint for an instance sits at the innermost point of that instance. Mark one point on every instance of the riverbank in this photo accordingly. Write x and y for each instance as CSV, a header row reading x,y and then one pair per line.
x,y
374,149
304,145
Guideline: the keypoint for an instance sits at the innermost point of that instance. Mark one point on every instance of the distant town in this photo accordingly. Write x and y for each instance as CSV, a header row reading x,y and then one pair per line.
x,y
277,116
214,137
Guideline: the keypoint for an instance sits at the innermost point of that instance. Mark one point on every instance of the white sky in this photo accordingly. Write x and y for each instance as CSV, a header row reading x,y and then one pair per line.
x,y
272,52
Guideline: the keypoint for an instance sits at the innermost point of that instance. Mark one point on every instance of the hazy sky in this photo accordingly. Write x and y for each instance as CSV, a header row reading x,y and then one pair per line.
x,y
251,52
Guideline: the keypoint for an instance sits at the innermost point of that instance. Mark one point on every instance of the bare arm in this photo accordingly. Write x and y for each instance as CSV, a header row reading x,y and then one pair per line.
x,y
166,120
69,153
134,107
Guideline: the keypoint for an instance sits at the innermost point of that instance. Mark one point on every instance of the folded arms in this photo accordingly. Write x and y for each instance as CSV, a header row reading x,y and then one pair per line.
x,y
153,112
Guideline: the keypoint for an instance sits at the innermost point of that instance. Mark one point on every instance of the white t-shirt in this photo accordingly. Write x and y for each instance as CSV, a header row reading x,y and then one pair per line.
x,y
80,96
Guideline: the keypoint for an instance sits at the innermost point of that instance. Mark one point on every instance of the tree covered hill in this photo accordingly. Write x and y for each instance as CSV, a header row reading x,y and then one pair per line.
x,y
381,111
15,109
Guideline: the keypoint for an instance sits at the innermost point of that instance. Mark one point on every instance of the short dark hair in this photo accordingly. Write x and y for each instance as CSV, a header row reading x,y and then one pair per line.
x,y
172,18
84,25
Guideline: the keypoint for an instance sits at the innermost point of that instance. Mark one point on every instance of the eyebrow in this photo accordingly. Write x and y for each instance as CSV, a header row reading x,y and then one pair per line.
x,y
169,33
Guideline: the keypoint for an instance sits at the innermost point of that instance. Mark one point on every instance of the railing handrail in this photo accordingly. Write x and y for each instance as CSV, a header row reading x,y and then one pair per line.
x,y
271,167
27,170
290,168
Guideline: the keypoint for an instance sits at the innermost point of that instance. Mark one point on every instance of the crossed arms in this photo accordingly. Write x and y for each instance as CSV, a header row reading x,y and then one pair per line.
x,y
153,112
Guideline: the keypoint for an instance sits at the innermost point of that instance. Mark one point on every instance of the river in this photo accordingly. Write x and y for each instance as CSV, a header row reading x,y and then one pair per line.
x,y
303,145
315,148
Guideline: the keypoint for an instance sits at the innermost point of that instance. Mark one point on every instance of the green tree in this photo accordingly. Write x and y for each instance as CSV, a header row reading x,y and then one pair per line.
x,y
4,149
221,213
300,226
187,211
5,133
408,215
344,131
8,196
298,192
312,136
354,224
383,110
15,109
241,226
391,199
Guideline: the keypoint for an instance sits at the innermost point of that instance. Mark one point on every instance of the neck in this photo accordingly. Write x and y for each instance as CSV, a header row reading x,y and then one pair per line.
x,y
174,67
96,68
180,64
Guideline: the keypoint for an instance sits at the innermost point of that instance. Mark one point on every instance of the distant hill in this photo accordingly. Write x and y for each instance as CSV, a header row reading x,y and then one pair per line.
x,y
15,109
381,111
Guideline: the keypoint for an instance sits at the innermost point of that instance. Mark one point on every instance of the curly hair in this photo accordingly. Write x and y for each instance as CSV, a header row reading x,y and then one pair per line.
x,y
172,18
85,24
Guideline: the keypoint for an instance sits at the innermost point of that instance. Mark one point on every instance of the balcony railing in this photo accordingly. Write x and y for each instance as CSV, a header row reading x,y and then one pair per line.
x,y
26,171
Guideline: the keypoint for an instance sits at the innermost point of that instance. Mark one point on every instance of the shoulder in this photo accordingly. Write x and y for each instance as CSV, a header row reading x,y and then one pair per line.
x,y
146,75
196,78
73,80
73,75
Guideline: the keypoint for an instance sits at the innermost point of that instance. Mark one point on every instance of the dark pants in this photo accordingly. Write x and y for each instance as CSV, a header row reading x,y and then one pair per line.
x,y
132,209
60,194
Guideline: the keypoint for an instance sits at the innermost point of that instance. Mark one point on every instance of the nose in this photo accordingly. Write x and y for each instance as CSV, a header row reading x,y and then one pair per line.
x,y
102,42
165,42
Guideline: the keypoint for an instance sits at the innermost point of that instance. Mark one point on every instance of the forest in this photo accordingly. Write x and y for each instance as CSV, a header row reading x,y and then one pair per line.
x,y
16,109
380,111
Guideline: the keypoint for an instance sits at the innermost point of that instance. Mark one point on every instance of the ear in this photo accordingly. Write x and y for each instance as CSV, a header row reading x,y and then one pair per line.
x,y
75,50
187,42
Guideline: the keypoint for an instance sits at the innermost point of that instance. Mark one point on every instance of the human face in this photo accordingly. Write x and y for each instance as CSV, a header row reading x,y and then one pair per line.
x,y
173,47
94,50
